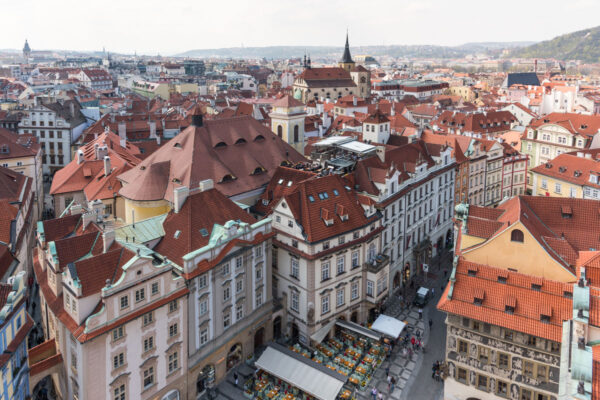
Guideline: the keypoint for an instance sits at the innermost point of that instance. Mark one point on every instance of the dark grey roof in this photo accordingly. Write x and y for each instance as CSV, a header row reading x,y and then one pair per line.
x,y
63,110
522,78
346,58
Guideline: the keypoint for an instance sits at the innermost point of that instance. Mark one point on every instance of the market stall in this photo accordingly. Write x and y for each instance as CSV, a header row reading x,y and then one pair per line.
x,y
389,326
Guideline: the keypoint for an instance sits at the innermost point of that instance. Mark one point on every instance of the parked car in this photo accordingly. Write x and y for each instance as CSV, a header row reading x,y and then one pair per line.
x,y
422,297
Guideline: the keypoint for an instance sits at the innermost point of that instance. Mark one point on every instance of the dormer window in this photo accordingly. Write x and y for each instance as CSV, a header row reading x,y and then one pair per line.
x,y
220,144
509,309
536,286
239,141
228,178
258,170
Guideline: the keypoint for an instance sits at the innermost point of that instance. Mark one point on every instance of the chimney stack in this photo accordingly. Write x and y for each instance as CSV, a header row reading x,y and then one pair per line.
x,y
179,195
108,237
72,106
206,184
354,102
197,119
80,158
107,167
122,130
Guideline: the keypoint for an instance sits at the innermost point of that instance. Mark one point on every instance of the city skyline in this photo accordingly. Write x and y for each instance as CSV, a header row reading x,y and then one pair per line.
x,y
151,28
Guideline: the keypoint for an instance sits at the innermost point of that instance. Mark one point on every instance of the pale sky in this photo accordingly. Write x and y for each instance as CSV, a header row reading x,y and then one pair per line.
x,y
173,26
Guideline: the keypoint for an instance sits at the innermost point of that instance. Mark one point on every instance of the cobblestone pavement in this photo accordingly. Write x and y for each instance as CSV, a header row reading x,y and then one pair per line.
x,y
413,375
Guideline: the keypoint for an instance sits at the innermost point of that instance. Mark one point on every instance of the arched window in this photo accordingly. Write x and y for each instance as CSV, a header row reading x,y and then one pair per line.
x,y
296,134
279,131
516,236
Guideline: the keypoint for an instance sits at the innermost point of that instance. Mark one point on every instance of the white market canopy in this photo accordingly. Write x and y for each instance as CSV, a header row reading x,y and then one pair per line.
x,y
319,335
389,326
315,380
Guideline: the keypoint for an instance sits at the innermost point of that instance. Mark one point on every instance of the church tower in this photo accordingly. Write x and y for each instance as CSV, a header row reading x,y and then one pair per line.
x,y
287,121
346,61
26,50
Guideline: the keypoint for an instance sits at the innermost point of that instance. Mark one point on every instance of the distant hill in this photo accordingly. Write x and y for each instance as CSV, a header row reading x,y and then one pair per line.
x,y
408,51
582,45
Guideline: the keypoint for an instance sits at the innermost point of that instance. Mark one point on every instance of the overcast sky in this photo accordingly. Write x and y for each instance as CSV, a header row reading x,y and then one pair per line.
x,y
173,26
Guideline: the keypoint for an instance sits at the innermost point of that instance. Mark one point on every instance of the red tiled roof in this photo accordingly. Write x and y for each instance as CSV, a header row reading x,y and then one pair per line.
x,y
570,167
283,182
201,210
489,122
238,154
596,373
575,123
530,303
287,101
322,217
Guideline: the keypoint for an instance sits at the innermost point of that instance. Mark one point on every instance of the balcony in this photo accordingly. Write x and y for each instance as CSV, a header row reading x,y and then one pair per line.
x,y
377,264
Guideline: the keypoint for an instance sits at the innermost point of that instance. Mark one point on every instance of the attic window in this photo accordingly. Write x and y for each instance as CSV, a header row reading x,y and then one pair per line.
x,y
259,137
228,178
311,198
335,192
289,184
562,169
239,141
258,170
220,144
567,294
566,212
509,309
279,182
577,174
584,126
472,272
545,319
536,286
204,232
177,145
176,180
176,234
502,279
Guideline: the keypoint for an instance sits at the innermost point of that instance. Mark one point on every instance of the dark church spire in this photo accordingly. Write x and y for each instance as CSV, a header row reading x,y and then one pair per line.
x,y
347,58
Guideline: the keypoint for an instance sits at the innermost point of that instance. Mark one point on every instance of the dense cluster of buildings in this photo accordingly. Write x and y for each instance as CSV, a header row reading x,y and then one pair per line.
x,y
163,220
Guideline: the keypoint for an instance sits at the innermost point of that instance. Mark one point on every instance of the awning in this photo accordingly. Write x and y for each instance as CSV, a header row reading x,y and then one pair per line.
x,y
312,378
319,335
361,330
388,326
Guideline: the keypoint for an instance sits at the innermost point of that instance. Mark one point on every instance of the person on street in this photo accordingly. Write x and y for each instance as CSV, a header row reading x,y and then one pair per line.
x,y
374,393
389,381
430,323
393,383
387,372
235,376
420,313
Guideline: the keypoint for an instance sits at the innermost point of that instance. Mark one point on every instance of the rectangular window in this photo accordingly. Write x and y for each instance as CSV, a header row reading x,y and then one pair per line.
x,y
226,269
203,307
355,259
461,375
226,293
258,298
148,377
239,285
173,306
370,288
341,297
325,304
124,302
202,281
557,187
341,265
526,394
226,320
542,371
482,382
528,368
239,312
502,388
140,295
118,360
258,251
203,336
238,262
503,360
294,268
341,240
295,301
154,288
354,291
117,333
148,318
463,347
173,362
119,393
173,330
258,274
148,343
325,271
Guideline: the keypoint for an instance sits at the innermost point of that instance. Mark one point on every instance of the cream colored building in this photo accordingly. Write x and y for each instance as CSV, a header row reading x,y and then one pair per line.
x,y
287,121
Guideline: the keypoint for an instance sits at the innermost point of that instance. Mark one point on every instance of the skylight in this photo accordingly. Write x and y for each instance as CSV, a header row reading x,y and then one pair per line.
x,y
335,192
203,232
311,198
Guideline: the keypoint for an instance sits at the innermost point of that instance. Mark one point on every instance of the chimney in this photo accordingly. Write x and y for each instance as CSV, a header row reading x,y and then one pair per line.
x,y
354,101
96,145
122,130
107,167
179,196
80,158
72,107
76,209
101,152
108,237
87,218
152,129
206,184
158,140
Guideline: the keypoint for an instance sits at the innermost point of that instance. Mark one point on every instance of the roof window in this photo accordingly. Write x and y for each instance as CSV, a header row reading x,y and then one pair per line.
x,y
204,232
335,192
228,178
240,141
220,144
176,234
177,145
259,138
311,198
536,286
279,182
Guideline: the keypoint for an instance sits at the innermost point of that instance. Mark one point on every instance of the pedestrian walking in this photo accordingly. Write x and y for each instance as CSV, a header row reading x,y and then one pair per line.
x,y
410,353
235,377
387,372
380,396
389,381
420,313
432,292
413,341
393,384
374,393
430,323
434,368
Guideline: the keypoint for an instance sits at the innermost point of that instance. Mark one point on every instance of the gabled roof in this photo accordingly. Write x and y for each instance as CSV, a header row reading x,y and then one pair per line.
x,y
191,228
578,124
522,78
14,145
484,284
238,154
13,185
326,207
287,101
284,181
570,167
